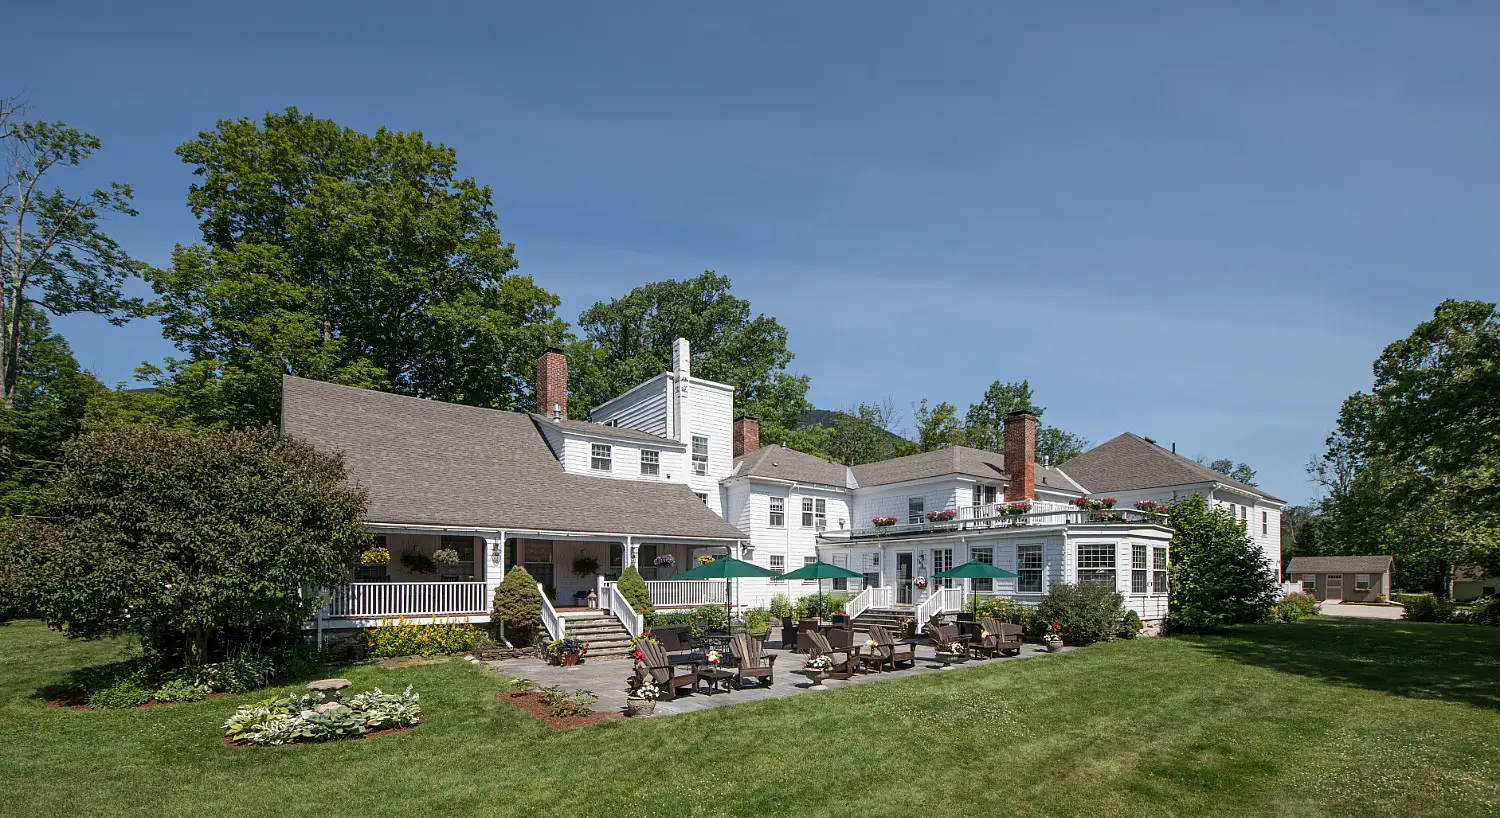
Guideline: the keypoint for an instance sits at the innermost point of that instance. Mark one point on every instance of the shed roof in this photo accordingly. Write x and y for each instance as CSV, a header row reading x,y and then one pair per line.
x,y
1339,565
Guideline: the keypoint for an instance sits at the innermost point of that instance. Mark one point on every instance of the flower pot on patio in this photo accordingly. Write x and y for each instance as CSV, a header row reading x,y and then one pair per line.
x,y
568,659
638,706
817,677
1052,645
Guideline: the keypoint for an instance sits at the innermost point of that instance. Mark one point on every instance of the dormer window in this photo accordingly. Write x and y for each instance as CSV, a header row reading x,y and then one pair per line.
x,y
700,455
601,458
650,463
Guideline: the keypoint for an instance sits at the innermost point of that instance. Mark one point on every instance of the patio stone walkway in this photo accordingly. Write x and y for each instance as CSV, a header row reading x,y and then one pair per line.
x,y
607,677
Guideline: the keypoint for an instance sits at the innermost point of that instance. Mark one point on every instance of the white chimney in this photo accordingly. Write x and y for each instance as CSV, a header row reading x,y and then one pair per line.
x,y
682,363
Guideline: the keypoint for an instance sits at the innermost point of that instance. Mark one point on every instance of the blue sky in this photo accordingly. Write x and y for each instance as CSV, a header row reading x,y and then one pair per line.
x,y
1195,221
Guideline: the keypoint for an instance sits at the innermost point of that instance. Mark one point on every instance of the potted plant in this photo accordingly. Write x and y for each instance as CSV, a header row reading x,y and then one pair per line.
x,y
1052,639
943,516
374,556
641,701
567,652
1016,509
817,669
920,583
585,565
1151,507
445,556
883,522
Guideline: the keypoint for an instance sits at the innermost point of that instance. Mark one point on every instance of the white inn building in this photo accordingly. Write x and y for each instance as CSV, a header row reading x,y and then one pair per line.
x,y
666,473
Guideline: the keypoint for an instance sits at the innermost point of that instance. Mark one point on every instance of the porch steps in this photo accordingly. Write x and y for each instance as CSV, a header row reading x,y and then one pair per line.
x,y
890,618
607,638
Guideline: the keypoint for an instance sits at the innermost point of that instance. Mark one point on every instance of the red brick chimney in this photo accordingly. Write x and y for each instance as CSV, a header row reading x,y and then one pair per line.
x,y
746,435
552,383
1020,455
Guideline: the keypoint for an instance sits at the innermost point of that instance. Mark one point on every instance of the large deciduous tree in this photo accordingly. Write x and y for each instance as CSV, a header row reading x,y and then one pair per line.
x,y
984,423
54,255
1239,471
185,537
938,426
1218,575
629,339
349,257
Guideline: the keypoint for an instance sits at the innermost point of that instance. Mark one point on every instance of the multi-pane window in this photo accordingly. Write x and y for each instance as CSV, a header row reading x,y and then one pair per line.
x,y
814,513
778,563
984,495
942,560
1158,570
1096,565
915,508
1309,583
809,561
600,457
986,556
1028,569
1138,569
1265,522
872,569
700,455
841,583
650,462
702,495
1361,582
778,512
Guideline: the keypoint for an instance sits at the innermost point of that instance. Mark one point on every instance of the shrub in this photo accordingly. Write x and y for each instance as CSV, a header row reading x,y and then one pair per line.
x,y
1427,608
669,619
782,608
181,690
1087,612
1131,626
1218,575
821,604
633,588
1287,611
239,674
997,607
518,606
401,638
707,618
317,717
1305,603
1487,612
564,703
757,620
125,691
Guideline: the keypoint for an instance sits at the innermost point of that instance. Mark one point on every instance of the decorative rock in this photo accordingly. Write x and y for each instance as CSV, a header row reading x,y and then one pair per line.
x,y
327,706
328,685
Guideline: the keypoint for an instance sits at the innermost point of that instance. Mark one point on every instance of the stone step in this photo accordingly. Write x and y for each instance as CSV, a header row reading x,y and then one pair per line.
x,y
598,632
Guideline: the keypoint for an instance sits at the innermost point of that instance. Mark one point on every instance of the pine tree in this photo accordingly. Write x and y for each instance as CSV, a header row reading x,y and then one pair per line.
x,y
518,605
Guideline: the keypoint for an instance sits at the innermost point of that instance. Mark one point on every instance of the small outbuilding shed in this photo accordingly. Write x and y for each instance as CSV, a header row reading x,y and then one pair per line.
x,y
1343,579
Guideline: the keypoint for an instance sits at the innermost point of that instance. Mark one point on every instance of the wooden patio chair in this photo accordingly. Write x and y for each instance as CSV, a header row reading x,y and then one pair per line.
x,y
888,651
824,645
750,662
788,634
804,627
665,672
1003,638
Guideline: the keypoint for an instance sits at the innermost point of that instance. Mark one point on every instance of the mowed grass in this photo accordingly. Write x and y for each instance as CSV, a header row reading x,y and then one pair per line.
x,y
1328,717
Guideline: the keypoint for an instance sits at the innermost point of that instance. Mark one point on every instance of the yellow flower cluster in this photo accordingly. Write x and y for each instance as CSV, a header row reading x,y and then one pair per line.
x,y
397,637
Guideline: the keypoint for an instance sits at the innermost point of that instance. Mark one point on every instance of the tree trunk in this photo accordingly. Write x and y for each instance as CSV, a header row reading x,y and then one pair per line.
x,y
197,647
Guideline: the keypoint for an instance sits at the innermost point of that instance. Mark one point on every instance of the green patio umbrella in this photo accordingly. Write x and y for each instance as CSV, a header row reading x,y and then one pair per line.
x,y
820,571
974,569
726,568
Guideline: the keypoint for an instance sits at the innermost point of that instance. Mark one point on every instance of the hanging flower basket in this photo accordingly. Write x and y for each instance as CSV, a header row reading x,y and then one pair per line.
x,y
376,556
664,559
445,556
920,583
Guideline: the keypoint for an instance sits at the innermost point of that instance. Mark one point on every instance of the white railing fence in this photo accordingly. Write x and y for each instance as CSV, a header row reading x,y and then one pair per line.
x,y
391,599
871,597
993,515
942,600
678,593
556,625
634,623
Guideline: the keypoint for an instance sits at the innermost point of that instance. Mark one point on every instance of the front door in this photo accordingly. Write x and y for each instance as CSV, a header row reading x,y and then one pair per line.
x,y
1333,586
903,577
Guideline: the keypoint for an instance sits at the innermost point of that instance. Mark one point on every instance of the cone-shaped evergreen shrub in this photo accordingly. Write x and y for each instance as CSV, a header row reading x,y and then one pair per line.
x,y
633,587
518,606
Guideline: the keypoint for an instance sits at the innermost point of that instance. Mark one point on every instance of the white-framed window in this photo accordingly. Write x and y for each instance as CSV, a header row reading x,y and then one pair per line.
x,y
601,457
916,507
650,463
700,455
1159,569
1309,583
1244,513
1334,580
872,569
1361,582
1138,575
986,556
805,562
942,560
1028,569
778,563
1265,522
1096,565
814,513
841,583
702,495
984,495
778,513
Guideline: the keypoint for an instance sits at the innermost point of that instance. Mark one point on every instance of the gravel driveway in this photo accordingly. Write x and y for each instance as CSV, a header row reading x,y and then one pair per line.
x,y
1360,611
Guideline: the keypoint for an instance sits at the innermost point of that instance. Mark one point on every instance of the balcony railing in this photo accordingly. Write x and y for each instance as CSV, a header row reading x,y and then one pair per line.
x,y
994,516
680,593
374,600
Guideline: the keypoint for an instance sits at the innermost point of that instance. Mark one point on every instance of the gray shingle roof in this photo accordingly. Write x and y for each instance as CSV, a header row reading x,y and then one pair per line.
x,y
789,464
959,460
1129,462
433,463
1339,565
590,428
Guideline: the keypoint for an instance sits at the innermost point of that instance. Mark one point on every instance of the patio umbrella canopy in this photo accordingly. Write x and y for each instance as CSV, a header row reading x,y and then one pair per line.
x,y
726,568
974,569
820,571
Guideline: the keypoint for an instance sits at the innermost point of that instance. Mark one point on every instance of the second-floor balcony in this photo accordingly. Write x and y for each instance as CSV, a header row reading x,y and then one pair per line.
x,y
992,516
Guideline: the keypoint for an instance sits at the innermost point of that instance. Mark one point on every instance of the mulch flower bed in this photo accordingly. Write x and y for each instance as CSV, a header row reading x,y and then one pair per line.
x,y
530,701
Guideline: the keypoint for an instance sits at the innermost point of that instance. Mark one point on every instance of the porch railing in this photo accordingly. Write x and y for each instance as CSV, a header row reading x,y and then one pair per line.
x,y
942,600
993,516
680,593
869,598
618,605
370,600
556,625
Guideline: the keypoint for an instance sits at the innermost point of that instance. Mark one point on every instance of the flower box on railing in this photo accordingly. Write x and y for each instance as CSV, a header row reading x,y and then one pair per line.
x,y
1151,506
1015,509
884,522
946,515
1095,504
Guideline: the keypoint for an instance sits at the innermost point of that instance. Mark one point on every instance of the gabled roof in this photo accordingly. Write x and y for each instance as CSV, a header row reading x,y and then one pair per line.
x,y
1339,565
1129,462
954,460
781,463
603,430
430,463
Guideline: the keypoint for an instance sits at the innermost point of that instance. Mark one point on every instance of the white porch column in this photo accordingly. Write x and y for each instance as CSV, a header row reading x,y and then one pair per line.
x,y
494,565
630,554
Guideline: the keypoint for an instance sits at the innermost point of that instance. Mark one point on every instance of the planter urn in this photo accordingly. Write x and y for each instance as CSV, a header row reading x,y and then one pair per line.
x,y
635,706
568,660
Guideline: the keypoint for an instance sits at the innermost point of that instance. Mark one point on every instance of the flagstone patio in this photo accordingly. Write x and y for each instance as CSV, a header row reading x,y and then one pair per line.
x,y
607,678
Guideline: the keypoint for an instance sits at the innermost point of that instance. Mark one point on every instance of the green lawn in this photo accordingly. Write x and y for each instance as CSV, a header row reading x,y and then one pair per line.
x,y
1328,717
